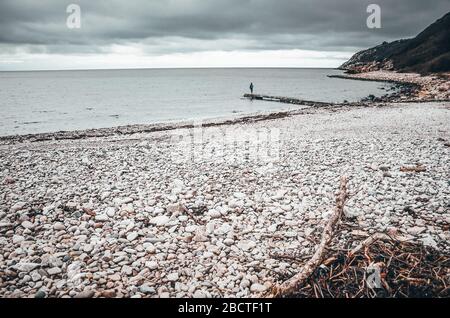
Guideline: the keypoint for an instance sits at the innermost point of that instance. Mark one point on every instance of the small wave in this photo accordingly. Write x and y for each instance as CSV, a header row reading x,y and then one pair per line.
x,y
43,111
30,122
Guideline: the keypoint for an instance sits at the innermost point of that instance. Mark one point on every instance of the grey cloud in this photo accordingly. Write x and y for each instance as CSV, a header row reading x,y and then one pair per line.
x,y
211,24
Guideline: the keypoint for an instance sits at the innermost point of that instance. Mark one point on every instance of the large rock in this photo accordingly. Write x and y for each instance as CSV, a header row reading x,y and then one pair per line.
x,y
101,218
172,277
18,206
258,288
25,267
416,230
132,236
429,241
85,294
246,245
54,271
173,208
110,211
27,225
160,220
147,289
58,226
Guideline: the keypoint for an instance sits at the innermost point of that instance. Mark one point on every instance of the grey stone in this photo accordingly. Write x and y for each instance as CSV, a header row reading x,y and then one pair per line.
x,y
160,220
258,288
172,277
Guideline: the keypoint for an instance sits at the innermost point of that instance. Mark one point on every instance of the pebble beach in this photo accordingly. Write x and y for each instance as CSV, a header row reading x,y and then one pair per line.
x,y
146,215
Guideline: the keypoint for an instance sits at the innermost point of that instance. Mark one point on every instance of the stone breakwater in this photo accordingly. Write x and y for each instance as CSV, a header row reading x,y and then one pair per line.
x,y
419,88
121,216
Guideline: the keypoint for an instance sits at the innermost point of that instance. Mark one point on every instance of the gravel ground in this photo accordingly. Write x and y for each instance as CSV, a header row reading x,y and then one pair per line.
x,y
106,216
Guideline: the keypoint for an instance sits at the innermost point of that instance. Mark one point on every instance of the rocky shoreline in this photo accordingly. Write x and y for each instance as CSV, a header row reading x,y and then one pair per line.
x,y
114,212
410,87
309,106
136,129
121,215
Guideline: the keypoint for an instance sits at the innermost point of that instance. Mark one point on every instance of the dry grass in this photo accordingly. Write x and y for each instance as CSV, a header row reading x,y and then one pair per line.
x,y
407,270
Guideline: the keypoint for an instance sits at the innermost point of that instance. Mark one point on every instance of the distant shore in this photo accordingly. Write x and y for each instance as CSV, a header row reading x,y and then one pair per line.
x,y
424,88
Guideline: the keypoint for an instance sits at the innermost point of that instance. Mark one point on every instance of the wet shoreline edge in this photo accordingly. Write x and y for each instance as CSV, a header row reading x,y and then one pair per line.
x,y
249,118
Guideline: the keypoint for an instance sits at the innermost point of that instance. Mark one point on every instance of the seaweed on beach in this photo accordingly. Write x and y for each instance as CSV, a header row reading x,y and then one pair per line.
x,y
382,265
406,270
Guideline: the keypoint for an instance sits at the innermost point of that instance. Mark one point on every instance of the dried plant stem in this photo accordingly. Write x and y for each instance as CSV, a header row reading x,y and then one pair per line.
x,y
369,241
292,285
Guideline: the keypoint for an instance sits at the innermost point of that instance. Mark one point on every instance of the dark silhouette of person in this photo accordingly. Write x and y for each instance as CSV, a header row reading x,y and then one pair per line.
x,y
251,88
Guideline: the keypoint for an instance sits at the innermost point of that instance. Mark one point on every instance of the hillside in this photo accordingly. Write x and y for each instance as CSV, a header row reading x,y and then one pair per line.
x,y
428,52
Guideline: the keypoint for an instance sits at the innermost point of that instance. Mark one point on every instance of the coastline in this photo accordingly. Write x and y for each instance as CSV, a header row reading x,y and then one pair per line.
x,y
419,88
128,130
145,128
133,212
413,88
225,151
105,215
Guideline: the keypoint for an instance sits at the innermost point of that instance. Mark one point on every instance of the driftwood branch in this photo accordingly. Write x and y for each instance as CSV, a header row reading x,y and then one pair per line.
x,y
390,237
290,286
417,168
369,241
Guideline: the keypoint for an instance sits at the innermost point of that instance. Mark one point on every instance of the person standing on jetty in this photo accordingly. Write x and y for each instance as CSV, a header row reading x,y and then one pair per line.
x,y
251,88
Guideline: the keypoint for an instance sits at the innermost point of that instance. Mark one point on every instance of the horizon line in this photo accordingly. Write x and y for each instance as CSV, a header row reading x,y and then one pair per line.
x,y
167,68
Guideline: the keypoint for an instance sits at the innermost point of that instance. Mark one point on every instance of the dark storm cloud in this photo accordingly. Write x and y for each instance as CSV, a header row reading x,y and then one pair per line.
x,y
39,26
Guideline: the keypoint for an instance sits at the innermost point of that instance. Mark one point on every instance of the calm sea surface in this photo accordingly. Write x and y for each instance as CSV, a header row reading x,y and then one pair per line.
x,y
34,102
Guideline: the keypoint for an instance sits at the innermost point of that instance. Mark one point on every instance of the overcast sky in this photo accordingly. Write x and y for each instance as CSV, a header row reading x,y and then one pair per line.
x,y
201,33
